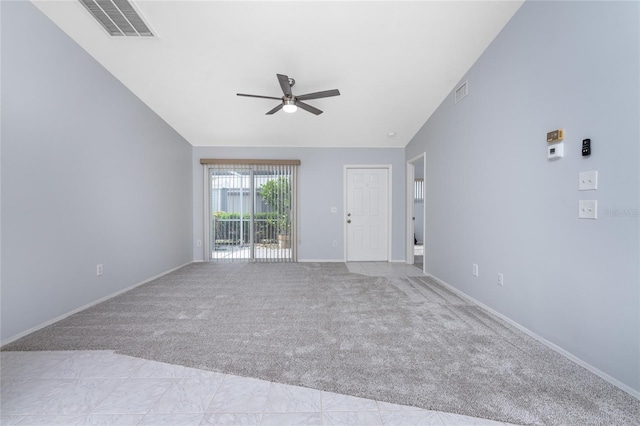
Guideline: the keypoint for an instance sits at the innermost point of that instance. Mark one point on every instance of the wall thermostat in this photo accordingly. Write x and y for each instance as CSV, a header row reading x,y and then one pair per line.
x,y
555,136
555,151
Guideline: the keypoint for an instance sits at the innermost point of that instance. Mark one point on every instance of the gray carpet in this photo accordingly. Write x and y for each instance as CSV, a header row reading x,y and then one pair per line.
x,y
403,340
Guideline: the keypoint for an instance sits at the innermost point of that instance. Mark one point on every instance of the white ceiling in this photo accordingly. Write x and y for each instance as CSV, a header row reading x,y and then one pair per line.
x,y
393,62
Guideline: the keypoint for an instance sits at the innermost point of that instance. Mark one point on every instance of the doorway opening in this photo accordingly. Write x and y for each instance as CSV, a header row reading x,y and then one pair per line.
x,y
251,212
416,211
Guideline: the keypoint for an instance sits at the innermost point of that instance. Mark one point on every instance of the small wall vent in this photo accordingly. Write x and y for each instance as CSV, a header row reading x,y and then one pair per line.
x,y
461,92
118,17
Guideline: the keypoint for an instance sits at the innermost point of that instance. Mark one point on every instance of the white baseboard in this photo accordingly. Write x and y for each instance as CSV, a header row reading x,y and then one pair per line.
x,y
88,305
340,261
615,382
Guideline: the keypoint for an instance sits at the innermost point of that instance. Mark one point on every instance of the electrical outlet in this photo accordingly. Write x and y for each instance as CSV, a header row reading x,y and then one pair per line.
x,y
475,270
335,243
99,269
199,243
500,280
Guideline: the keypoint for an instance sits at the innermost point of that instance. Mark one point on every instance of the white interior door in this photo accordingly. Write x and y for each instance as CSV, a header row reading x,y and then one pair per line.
x,y
367,214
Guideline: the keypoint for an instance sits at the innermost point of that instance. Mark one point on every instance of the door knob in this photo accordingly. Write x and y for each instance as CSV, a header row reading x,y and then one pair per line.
x,y
348,214
349,221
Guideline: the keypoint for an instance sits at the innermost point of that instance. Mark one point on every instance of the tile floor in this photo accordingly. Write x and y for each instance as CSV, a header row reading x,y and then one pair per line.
x,y
384,269
105,388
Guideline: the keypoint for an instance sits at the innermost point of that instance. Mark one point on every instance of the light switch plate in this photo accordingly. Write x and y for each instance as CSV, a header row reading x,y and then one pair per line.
x,y
588,209
588,180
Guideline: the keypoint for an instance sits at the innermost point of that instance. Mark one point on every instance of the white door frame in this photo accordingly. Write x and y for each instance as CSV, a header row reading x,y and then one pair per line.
x,y
389,202
206,238
411,176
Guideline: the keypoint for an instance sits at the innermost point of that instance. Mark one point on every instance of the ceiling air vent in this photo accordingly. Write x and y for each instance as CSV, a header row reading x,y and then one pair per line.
x,y
461,92
118,17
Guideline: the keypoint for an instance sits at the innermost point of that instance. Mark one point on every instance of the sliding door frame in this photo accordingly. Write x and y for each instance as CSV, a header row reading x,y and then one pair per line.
x,y
253,165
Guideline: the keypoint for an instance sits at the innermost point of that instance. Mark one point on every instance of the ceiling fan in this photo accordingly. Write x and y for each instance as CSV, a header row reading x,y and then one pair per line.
x,y
290,102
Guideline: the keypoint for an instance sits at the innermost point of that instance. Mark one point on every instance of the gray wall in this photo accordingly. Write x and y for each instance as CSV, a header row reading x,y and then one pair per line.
x,y
89,175
320,188
493,198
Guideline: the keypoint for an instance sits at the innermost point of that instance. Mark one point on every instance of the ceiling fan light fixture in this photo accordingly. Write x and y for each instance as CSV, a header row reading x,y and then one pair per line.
x,y
290,103
289,106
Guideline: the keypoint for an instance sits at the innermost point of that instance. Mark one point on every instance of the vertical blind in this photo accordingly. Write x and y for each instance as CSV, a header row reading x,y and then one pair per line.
x,y
252,210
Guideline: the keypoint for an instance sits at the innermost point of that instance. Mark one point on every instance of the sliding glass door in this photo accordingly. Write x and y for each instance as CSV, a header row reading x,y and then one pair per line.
x,y
252,212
